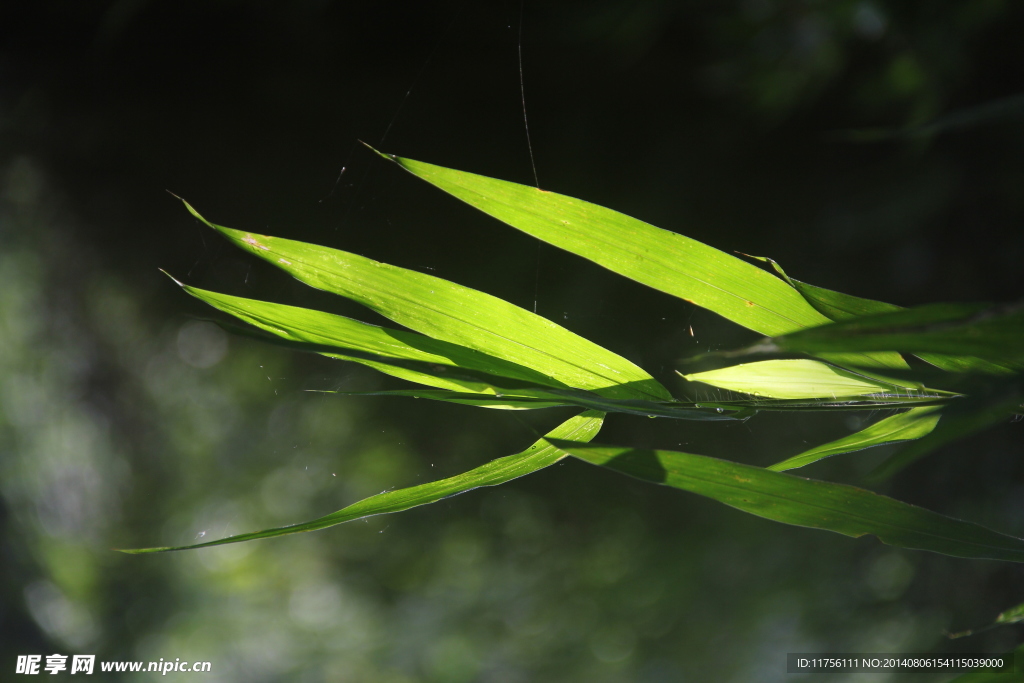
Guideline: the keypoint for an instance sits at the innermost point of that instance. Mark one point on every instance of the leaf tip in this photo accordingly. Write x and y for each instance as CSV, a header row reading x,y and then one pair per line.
x,y
389,157
176,281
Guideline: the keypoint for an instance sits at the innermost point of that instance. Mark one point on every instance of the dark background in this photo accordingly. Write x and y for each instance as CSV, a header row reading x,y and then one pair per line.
x,y
870,147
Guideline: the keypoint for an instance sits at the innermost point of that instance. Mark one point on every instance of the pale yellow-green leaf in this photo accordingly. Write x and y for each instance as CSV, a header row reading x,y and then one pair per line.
x,y
800,378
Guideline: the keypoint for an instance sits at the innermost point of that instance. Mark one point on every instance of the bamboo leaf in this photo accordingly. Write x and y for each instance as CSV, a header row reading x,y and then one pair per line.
x,y
581,428
804,502
666,261
839,306
444,310
679,410
913,424
563,398
496,401
799,378
963,417
1013,615
992,333
445,365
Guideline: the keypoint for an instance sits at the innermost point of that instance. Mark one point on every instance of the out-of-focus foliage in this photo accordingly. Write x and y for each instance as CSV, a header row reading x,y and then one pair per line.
x,y
115,422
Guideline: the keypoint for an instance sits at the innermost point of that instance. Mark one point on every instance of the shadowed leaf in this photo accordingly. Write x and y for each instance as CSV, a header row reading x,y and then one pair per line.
x,y
805,502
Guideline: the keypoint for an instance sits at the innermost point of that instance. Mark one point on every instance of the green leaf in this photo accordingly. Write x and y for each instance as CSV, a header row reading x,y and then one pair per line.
x,y
703,411
666,261
574,397
460,315
992,333
1011,616
444,365
581,428
839,306
804,502
913,424
963,417
800,378
496,401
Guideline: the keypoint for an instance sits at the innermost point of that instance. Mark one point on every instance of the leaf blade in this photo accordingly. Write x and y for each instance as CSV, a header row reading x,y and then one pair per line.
x,y
796,378
664,260
541,454
450,312
313,327
913,424
804,502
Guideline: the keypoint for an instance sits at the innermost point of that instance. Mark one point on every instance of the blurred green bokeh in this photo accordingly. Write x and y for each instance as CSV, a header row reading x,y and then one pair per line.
x,y
126,419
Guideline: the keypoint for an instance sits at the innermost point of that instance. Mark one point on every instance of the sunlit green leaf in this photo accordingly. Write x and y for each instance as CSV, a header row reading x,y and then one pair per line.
x,y
805,502
913,424
444,365
664,260
581,428
460,315
799,378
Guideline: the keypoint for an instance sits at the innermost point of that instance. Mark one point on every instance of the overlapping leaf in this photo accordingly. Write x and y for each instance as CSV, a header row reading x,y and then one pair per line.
x,y
991,333
839,306
797,378
661,259
664,260
400,353
581,428
913,424
804,502
446,311
962,418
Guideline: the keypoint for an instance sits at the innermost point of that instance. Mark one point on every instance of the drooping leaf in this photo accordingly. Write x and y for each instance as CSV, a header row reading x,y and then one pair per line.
x,y
805,502
444,310
581,428
798,378
913,424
